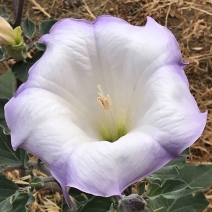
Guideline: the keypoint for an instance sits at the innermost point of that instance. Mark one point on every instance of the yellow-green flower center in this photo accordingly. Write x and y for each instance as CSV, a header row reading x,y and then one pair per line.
x,y
113,128
109,135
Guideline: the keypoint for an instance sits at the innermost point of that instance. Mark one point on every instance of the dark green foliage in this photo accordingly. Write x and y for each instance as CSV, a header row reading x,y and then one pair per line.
x,y
21,68
29,28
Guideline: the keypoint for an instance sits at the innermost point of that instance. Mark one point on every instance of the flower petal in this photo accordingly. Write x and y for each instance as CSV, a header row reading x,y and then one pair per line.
x,y
169,110
106,169
71,72
45,125
123,65
83,163
7,35
129,56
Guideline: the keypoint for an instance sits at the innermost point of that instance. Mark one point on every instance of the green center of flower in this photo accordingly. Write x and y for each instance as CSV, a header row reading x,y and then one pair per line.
x,y
113,129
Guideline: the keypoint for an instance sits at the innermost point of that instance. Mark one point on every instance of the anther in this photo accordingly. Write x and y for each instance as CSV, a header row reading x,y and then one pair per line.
x,y
105,102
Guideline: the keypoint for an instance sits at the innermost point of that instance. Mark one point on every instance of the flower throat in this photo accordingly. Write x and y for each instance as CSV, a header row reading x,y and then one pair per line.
x,y
113,129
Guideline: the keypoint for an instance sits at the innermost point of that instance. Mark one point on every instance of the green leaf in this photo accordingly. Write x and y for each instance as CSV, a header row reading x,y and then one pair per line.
x,y
7,155
170,189
20,69
7,89
196,176
164,173
98,204
46,25
6,205
29,28
186,152
3,123
120,209
4,13
170,171
7,189
190,203
11,199
7,85
75,194
36,182
186,203
111,208
40,46
141,188
21,201
178,162
159,204
30,167
79,196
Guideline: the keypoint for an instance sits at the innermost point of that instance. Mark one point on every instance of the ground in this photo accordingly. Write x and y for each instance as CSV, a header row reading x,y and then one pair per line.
x,y
189,20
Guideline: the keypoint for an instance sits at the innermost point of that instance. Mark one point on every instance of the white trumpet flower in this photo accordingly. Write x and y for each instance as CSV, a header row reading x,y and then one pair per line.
x,y
106,105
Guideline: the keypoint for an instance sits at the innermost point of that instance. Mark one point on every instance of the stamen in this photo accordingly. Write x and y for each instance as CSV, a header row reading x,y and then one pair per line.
x,y
110,130
105,102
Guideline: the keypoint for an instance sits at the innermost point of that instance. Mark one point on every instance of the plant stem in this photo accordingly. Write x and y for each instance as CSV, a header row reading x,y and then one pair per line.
x,y
12,168
48,179
18,16
50,184
42,167
37,165
14,9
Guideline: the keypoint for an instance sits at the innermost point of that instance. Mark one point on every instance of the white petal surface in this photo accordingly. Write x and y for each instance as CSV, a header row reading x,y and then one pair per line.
x,y
48,126
115,168
55,114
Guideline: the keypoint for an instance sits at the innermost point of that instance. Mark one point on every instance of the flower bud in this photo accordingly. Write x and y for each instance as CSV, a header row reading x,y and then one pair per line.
x,y
12,40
